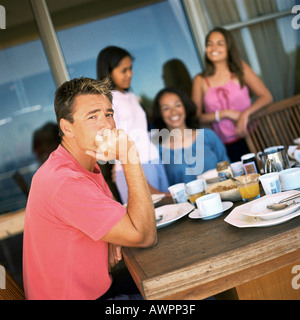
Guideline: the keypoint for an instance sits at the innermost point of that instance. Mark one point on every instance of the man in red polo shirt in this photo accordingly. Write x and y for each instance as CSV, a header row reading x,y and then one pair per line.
x,y
71,215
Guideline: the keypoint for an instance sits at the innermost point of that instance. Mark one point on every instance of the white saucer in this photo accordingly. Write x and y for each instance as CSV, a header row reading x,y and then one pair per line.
x,y
157,197
196,215
172,212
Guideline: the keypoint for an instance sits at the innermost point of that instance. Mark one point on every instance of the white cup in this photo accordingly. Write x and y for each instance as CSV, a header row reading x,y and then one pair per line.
x,y
178,192
248,156
290,179
196,186
297,155
291,151
209,205
271,183
237,169
196,189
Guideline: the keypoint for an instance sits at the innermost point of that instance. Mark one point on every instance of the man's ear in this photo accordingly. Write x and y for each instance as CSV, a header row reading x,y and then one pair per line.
x,y
66,128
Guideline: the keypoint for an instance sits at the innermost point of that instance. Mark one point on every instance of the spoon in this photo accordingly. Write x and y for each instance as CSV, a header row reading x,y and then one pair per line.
x,y
281,205
229,176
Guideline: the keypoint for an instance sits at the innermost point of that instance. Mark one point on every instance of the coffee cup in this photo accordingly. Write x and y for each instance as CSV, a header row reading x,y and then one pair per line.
x,y
290,179
270,183
196,189
209,205
297,155
178,192
291,150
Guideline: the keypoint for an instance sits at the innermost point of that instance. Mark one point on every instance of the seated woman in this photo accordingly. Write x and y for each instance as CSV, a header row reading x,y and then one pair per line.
x,y
185,150
221,92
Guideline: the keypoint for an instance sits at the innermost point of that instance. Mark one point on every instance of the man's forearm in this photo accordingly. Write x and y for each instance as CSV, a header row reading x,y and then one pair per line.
x,y
140,206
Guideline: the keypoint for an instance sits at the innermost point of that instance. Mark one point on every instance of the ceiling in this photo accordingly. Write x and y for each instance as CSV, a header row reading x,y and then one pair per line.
x,y
20,24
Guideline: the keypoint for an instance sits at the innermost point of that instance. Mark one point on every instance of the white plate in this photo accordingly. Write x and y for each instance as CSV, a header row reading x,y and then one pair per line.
x,y
285,190
259,209
240,220
157,197
172,212
196,215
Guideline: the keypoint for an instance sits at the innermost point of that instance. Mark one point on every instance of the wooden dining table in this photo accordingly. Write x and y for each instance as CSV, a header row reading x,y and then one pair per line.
x,y
197,259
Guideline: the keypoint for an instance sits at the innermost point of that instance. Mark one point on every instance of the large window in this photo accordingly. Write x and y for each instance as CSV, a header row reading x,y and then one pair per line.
x,y
153,34
26,93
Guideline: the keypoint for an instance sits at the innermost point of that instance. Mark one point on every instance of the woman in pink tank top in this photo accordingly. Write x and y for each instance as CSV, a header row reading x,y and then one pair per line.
x,y
221,92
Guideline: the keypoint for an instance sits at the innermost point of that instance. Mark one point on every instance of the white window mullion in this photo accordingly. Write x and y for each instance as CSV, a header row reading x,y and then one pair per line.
x,y
248,41
199,23
50,42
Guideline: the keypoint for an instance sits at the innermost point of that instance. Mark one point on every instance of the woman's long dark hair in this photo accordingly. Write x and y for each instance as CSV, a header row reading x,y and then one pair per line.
x,y
108,59
234,59
191,119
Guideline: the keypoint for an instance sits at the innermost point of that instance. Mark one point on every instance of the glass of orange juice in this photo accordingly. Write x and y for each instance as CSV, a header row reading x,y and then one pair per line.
x,y
196,189
249,187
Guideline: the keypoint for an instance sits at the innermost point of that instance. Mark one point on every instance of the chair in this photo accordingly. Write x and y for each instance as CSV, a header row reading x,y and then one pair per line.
x,y
276,124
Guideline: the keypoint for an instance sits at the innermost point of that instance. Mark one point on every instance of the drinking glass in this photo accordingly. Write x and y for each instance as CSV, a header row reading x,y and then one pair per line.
x,y
249,187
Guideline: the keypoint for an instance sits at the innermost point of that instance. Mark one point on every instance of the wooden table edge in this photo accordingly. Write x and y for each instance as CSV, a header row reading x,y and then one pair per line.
x,y
233,266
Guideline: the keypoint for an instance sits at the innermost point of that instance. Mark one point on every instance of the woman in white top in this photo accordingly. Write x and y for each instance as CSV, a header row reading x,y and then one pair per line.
x,y
116,63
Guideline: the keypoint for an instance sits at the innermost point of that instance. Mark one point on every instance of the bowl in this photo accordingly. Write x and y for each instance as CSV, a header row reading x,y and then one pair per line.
x,y
227,190
211,176
290,179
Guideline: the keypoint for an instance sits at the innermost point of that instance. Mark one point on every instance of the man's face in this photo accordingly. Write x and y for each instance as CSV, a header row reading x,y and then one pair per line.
x,y
92,113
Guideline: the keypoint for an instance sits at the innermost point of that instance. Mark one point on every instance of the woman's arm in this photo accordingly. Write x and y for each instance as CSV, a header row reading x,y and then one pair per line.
x,y
197,97
264,98
197,94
